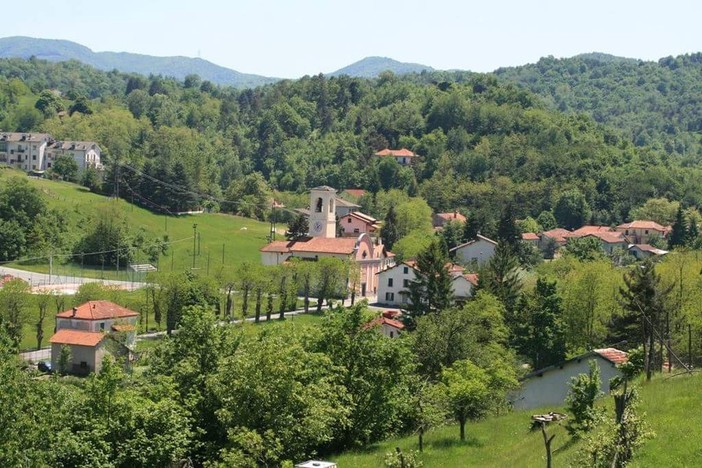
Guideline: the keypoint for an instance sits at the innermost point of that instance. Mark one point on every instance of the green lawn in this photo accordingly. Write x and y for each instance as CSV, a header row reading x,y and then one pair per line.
x,y
225,240
672,412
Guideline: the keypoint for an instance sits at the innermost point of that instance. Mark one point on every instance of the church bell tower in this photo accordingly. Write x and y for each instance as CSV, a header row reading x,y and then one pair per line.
x,y
322,222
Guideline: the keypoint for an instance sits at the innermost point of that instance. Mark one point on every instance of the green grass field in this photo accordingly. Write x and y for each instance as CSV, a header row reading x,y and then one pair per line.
x,y
672,412
225,240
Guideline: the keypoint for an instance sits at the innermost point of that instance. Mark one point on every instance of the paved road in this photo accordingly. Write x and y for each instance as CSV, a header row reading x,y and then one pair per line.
x,y
62,282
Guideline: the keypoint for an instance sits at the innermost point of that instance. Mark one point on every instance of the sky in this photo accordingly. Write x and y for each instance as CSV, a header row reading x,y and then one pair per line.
x,y
292,38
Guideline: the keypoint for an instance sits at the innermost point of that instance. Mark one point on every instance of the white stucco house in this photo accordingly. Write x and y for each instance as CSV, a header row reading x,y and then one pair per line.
x,y
478,251
643,251
547,388
393,283
38,151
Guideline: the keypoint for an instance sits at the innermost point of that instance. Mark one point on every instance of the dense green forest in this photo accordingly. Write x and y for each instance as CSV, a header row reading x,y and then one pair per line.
x,y
482,141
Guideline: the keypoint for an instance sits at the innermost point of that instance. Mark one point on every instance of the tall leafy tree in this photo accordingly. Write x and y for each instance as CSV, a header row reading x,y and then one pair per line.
x,y
467,392
14,299
508,232
572,209
679,234
431,291
644,300
540,334
297,228
501,278
389,233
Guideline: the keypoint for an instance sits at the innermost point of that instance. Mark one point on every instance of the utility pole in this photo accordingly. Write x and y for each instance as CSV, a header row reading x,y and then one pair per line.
x,y
194,243
208,262
51,265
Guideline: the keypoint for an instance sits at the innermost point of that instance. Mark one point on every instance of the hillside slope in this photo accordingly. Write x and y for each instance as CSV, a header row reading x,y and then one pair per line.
x,y
371,67
669,403
235,238
178,67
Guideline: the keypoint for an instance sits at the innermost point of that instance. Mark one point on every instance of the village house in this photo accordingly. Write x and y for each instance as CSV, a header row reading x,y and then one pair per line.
x,y
557,235
644,251
440,219
356,223
38,151
393,283
24,151
610,240
90,331
321,241
388,324
548,387
641,232
477,251
354,193
403,156
531,238
85,153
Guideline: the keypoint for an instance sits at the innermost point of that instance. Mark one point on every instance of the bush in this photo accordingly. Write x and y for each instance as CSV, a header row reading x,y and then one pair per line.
x,y
584,390
400,459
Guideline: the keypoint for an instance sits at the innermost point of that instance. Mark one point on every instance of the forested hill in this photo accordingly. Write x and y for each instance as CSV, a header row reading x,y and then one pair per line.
x,y
482,143
656,103
371,67
177,67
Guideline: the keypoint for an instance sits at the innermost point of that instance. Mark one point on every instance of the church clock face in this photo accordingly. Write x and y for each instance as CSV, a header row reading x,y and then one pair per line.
x,y
318,226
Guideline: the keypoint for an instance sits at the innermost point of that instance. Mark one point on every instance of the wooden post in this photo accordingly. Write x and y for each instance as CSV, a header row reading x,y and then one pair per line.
x,y
547,444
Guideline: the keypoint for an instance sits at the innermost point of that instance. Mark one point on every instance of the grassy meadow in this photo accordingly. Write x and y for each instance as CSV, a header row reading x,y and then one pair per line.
x,y
671,406
233,238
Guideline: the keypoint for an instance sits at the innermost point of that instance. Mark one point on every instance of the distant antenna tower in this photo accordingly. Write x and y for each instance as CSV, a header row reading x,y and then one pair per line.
x,y
198,53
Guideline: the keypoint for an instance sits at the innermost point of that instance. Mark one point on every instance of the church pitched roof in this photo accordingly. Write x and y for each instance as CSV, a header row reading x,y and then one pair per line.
x,y
322,245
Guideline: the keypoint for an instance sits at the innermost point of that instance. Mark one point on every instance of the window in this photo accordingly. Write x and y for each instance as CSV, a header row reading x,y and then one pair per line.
x,y
646,231
390,282
349,220
34,157
356,231
390,297
405,270
405,283
404,298
318,208
102,326
392,334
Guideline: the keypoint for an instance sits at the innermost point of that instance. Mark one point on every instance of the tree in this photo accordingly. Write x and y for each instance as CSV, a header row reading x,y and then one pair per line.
x,y
660,210
426,408
471,228
501,278
644,299
580,402
413,215
540,332
571,209
42,301
82,105
431,291
547,221
375,372
332,274
13,242
49,103
66,167
508,232
452,234
585,249
91,179
680,230
297,228
14,298
389,233
466,392
692,235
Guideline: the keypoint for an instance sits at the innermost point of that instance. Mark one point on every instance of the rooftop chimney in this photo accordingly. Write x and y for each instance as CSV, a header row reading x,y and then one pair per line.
x,y
75,309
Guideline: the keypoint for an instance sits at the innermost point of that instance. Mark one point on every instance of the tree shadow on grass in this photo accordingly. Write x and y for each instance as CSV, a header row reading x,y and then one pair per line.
x,y
566,445
447,442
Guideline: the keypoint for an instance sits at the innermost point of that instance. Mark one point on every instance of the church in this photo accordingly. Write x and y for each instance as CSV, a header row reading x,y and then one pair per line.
x,y
321,241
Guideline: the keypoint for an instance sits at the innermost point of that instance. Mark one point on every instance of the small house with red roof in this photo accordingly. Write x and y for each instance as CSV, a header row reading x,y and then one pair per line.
x,y
403,156
90,330
548,387
440,219
610,240
640,232
390,327
357,223
643,251
531,238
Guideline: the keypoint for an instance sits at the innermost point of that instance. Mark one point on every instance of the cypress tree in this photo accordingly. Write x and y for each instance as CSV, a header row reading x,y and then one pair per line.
x,y
679,232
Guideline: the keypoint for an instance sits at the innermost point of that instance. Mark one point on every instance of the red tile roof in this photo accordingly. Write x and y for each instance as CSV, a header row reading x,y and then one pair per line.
x,y
77,337
385,321
98,310
611,237
334,245
354,192
401,152
277,246
472,278
530,236
558,234
587,230
644,225
613,355
479,238
363,217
